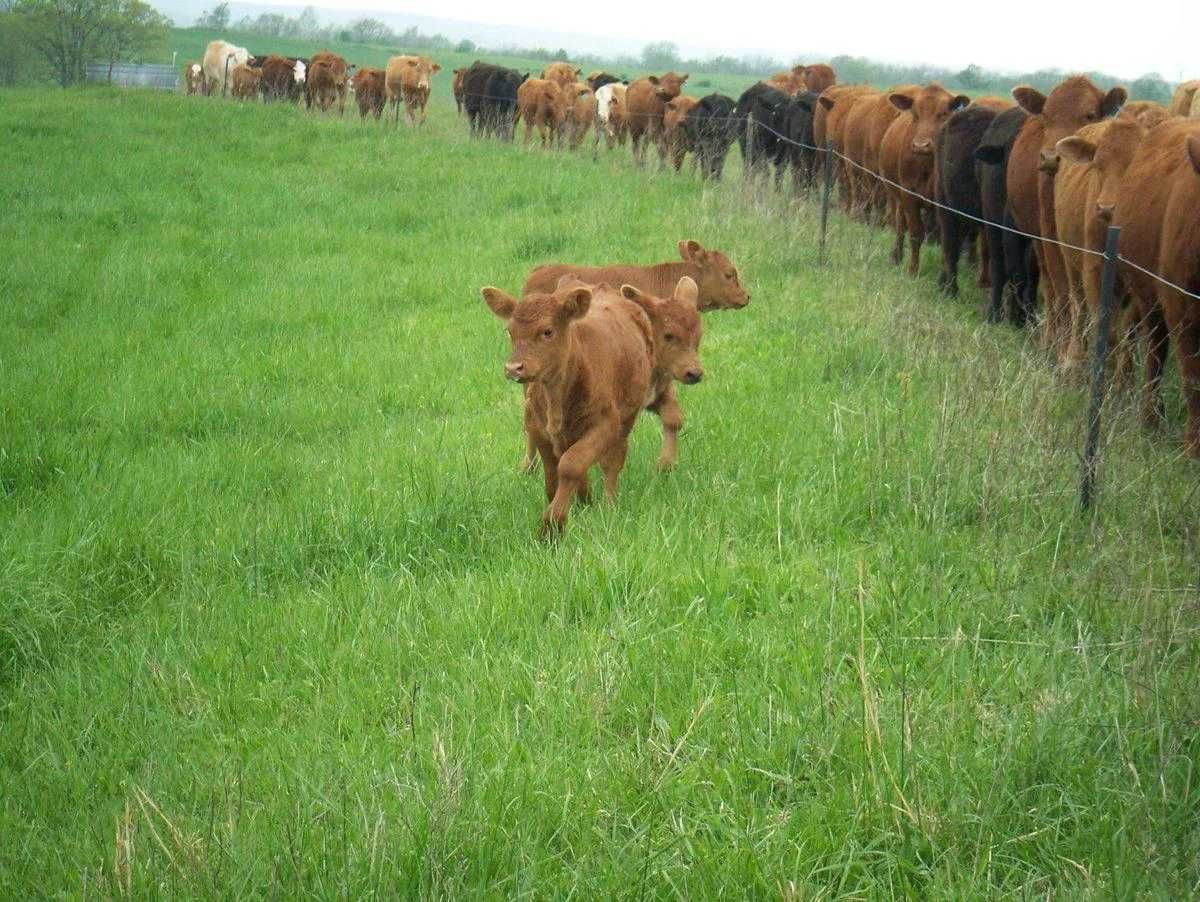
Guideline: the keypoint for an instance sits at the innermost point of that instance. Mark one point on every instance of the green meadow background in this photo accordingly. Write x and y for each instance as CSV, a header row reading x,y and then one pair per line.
x,y
274,620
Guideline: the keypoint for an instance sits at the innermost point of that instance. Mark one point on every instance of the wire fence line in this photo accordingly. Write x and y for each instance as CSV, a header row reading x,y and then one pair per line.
x,y
744,120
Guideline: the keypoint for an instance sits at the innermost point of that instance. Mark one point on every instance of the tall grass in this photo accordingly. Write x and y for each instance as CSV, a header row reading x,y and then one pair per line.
x,y
273,619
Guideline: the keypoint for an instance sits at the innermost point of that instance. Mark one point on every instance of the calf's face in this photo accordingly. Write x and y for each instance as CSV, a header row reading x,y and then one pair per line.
x,y
1110,156
930,108
716,277
669,86
539,327
677,329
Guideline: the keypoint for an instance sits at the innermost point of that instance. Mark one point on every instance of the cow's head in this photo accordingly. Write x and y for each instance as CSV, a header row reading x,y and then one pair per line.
x,y
930,107
669,86
299,72
1110,148
677,329
716,277
1073,104
539,327
676,111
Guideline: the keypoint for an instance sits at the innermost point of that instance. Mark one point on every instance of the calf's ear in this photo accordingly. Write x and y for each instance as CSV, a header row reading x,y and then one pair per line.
x,y
900,101
1076,149
826,102
502,304
1113,101
689,250
568,279
436,68
642,300
653,79
575,303
688,291
1031,100
962,100
1193,149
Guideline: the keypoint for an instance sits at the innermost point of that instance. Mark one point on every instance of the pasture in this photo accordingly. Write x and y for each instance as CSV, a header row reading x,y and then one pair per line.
x,y
273,619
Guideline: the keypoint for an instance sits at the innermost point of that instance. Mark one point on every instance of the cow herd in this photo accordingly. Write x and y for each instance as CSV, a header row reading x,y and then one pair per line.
x,y
1028,189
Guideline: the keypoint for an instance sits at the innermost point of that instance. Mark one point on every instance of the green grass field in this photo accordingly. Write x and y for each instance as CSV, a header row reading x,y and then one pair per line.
x,y
274,621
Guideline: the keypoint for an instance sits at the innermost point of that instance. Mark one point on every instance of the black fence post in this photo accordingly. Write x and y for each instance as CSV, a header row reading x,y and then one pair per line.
x,y
1108,284
828,190
749,161
225,85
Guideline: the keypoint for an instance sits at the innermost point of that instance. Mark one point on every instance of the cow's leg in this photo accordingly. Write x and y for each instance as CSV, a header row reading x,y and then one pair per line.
x,y
1155,334
916,233
1184,322
898,223
952,234
995,258
668,410
573,467
611,464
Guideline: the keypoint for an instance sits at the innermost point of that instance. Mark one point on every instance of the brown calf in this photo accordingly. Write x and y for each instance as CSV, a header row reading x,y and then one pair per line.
x,y
370,91
715,276
645,104
458,88
332,81
674,134
193,78
562,74
586,358
818,77
1073,104
581,114
245,80
409,78
543,105
907,158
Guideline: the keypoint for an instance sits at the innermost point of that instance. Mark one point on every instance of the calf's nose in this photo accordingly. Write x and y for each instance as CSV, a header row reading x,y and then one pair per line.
x,y
694,375
1105,211
514,371
1049,161
922,145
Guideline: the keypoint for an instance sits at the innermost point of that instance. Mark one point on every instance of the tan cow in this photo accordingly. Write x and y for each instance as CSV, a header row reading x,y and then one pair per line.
x,y
220,59
369,85
585,357
246,81
645,103
1184,97
562,74
675,136
333,81
456,86
543,105
409,78
581,113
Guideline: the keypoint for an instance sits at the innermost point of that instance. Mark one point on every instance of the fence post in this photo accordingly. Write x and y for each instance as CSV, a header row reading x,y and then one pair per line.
x,y
749,161
225,85
1108,283
825,195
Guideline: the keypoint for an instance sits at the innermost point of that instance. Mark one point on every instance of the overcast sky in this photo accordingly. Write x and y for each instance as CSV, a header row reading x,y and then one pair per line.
x,y
1127,39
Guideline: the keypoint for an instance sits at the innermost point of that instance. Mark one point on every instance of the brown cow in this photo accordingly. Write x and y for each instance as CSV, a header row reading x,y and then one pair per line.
x,y
788,82
879,121
674,134
581,114
457,87
586,357
1093,163
1073,104
409,78
856,132
333,81
818,77
714,274
283,78
245,80
907,158
562,74
370,90
645,103
1147,112
1156,210
838,103
611,120
543,105
193,78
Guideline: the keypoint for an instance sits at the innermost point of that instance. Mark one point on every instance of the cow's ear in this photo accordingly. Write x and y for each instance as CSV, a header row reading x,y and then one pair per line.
x,y
568,279
630,293
800,70
900,101
683,78
502,304
1075,149
957,103
653,79
578,70
575,303
435,68
1113,101
990,153
688,291
826,102
1193,149
1031,100
689,250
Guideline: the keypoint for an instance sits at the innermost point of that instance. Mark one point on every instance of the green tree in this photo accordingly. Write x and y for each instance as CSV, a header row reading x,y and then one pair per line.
x,y
135,30
660,55
216,18
370,31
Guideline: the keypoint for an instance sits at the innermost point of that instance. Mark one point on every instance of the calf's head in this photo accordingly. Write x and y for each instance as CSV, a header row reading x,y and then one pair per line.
x,y
1110,151
930,107
716,277
669,86
677,329
1073,104
539,327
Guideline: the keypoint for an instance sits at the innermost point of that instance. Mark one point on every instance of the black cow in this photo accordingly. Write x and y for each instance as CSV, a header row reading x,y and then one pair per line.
x,y
1012,258
600,79
490,98
798,126
712,127
760,143
957,186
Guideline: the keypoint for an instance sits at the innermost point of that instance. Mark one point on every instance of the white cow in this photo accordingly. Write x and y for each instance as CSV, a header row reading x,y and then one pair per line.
x,y
215,57
610,114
